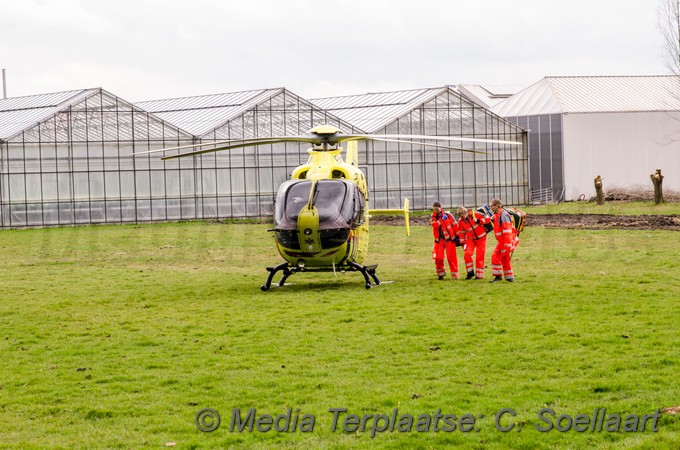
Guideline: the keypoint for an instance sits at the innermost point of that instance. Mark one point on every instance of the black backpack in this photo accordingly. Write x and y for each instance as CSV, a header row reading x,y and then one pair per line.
x,y
486,212
518,218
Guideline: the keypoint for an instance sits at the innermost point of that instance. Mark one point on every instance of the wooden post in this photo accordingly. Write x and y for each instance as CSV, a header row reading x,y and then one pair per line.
x,y
598,190
657,181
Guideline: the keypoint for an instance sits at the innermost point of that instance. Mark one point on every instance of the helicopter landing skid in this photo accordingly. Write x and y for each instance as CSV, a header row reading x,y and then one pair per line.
x,y
272,271
367,271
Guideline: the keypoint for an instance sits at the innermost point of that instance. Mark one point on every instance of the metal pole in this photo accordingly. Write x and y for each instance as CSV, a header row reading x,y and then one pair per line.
x,y
4,84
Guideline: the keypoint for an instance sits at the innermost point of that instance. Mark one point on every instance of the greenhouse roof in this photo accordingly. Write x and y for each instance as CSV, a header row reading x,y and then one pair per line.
x,y
201,114
371,112
20,113
558,95
487,96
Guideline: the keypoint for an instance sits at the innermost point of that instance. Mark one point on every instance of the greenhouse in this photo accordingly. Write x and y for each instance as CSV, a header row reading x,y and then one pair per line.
x,y
67,158
428,174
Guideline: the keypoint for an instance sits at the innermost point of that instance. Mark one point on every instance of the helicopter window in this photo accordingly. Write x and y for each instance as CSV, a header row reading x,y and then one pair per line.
x,y
291,198
330,200
288,239
334,238
359,207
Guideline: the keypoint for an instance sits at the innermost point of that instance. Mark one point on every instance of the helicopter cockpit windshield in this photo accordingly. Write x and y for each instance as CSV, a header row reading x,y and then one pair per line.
x,y
338,202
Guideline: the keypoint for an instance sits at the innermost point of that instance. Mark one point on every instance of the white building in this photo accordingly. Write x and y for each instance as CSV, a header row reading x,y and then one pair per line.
x,y
620,127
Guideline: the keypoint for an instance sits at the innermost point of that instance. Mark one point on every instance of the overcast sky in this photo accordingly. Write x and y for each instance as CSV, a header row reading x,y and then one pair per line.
x,y
153,49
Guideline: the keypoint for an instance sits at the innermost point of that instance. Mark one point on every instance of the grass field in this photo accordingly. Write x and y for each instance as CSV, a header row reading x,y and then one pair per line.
x,y
117,336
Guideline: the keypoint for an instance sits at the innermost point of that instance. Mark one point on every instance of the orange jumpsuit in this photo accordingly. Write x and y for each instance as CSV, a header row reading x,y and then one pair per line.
x,y
472,236
506,235
444,229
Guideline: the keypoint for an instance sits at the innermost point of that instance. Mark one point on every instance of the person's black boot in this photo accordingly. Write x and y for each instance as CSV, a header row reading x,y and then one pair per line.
x,y
496,279
470,274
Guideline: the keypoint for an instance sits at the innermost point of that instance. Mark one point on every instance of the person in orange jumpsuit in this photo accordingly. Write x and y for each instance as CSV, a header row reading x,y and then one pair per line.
x,y
472,236
506,235
444,229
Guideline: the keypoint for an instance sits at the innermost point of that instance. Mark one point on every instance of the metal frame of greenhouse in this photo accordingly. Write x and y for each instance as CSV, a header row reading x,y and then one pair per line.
x,y
67,158
427,174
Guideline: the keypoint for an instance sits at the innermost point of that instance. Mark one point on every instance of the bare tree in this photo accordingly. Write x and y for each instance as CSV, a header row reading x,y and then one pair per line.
x,y
598,190
657,181
669,23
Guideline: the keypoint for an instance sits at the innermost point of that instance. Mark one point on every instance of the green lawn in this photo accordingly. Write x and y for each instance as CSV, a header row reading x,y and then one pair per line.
x,y
117,336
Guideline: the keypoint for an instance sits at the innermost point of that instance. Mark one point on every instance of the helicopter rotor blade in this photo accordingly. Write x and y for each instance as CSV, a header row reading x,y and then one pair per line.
x,y
235,146
182,147
331,138
316,141
427,144
352,137
248,141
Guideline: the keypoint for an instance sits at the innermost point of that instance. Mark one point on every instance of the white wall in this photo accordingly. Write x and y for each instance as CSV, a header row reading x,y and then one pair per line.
x,y
624,148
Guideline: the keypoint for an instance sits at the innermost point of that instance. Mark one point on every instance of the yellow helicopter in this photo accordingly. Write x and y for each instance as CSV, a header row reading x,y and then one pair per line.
x,y
321,213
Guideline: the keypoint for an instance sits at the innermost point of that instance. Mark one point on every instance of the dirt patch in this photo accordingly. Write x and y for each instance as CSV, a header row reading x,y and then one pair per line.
x,y
584,221
598,221
639,193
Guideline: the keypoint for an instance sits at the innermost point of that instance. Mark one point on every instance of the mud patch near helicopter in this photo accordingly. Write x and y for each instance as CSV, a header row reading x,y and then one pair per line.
x,y
582,221
600,221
